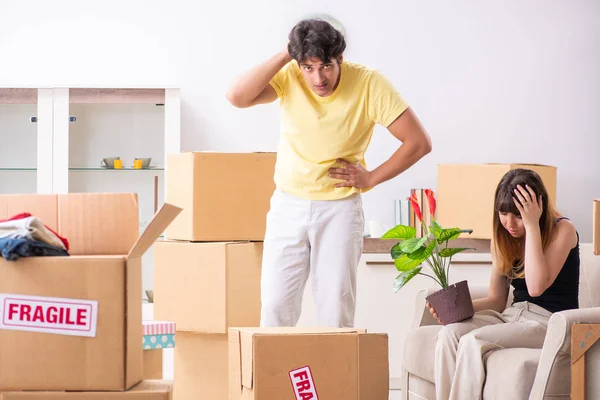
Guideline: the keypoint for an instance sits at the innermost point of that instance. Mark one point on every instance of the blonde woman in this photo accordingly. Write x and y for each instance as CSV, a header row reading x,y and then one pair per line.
x,y
535,250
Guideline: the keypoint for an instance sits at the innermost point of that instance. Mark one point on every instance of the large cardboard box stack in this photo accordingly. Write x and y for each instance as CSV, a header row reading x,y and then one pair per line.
x,y
465,194
207,270
74,323
300,363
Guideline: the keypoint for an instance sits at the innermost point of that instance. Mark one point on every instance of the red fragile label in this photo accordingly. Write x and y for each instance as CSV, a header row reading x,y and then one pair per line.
x,y
303,384
61,316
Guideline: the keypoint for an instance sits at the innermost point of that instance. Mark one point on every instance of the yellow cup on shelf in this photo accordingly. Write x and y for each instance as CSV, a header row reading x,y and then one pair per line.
x,y
118,164
137,164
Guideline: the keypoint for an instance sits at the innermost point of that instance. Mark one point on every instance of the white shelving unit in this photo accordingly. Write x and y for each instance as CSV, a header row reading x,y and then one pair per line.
x,y
26,150
54,139
37,133
76,127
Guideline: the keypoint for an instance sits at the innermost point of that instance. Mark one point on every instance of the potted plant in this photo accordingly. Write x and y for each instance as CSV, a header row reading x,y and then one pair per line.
x,y
452,302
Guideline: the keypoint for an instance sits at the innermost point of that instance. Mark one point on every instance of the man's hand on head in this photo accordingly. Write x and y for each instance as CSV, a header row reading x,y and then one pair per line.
x,y
352,175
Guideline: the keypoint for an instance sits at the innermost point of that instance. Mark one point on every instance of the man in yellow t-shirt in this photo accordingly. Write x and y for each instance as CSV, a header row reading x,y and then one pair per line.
x,y
315,223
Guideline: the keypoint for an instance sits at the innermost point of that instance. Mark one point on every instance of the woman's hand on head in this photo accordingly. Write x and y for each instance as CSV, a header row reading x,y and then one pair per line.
x,y
529,205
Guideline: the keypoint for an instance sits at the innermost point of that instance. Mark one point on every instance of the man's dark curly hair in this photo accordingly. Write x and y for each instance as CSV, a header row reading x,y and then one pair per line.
x,y
315,38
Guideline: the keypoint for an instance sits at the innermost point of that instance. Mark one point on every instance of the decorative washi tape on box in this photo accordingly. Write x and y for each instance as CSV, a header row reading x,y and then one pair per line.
x,y
158,335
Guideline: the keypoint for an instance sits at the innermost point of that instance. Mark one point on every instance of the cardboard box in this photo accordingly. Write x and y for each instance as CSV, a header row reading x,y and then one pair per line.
x,y
160,341
153,364
207,287
224,196
158,334
297,363
201,367
94,224
75,323
145,390
465,194
152,327
596,227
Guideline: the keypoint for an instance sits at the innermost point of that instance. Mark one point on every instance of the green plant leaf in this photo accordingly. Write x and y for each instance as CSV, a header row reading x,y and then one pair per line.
x,y
400,232
411,245
405,263
452,251
436,229
396,252
404,277
448,234
423,252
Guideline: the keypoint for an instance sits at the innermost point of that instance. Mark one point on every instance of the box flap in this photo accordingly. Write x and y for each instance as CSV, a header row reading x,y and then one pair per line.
x,y
235,363
99,223
247,354
161,220
298,331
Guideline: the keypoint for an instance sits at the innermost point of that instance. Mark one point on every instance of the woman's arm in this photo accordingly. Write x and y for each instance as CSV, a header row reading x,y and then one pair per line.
x,y
542,267
497,294
498,290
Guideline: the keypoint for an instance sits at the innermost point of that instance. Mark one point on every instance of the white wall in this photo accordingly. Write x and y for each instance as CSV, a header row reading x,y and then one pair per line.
x,y
491,81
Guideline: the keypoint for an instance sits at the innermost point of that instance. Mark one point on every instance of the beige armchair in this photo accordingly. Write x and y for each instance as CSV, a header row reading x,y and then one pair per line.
x,y
538,374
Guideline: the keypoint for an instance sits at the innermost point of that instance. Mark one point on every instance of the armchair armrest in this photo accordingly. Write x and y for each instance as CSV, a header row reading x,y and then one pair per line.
x,y
553,377
423,317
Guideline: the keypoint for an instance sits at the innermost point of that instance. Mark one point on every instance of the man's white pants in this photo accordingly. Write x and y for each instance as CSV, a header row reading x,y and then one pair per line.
x,y
321,238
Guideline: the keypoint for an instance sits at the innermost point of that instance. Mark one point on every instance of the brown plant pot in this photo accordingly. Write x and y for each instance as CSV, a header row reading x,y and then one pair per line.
x,y
453,303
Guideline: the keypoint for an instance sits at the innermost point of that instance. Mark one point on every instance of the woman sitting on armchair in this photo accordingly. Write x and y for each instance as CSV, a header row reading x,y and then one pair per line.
x,y
535,250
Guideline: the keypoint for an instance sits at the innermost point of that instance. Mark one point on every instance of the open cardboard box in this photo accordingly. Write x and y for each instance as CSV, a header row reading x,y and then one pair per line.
x,y
75,323
328,363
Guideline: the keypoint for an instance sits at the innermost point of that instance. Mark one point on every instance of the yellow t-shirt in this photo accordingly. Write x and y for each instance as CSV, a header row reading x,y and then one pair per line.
x,y
318,130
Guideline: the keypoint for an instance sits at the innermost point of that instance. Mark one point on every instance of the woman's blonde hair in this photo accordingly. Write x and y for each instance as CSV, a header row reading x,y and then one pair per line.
x,y
509,250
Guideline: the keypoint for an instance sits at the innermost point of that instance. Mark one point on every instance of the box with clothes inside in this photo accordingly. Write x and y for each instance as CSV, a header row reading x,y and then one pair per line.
x,y
71,291
25,235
